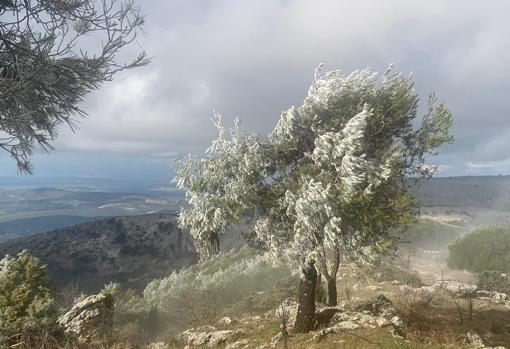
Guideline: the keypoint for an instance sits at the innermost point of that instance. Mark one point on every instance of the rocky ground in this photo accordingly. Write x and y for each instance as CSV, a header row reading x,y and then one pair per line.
x,y
448,311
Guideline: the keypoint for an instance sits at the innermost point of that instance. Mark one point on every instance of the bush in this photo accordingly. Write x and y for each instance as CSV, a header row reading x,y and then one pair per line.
x,y
486,248
26,293
494,281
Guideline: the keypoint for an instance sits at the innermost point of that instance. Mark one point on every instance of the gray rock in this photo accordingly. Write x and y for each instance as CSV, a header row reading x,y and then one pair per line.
x,y
89,320
207,336
380,305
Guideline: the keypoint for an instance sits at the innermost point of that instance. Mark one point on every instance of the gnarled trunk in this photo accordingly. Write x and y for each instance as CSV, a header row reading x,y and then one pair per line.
x,y
332,293
330,275
208,246
305,318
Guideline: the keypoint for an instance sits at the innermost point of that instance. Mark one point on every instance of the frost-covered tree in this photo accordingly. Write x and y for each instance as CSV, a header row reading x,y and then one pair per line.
x,y
220,186
330,181
52,54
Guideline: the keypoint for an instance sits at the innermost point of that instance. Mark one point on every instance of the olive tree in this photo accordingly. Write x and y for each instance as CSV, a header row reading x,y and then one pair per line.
x,y
330,181
52,54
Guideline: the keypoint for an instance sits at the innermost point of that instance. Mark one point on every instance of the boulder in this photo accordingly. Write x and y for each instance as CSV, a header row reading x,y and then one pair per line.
x,y
225,321
379,306
207,336
243,343
90,319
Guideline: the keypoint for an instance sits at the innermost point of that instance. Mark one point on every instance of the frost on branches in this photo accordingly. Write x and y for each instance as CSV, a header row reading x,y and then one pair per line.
x,y
331,179
220,186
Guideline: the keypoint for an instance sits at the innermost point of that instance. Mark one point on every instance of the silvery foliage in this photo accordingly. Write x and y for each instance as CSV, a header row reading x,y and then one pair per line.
x,y
220,185
208,277
331,176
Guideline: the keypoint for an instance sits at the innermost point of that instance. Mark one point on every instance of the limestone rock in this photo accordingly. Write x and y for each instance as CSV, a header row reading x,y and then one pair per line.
x,y
243,343
207,336
225,321
90,319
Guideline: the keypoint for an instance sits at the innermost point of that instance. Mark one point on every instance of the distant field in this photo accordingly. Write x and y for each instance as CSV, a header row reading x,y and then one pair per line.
x,y
35,225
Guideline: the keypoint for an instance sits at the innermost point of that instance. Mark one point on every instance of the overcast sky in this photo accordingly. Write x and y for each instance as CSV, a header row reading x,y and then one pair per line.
x,y
254,59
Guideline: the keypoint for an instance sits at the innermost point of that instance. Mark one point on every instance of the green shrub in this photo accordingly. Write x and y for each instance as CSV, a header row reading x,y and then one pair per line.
x,y
494,281
26,293
485,248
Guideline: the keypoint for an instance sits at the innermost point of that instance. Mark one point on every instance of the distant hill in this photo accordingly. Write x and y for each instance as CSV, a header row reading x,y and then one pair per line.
x,y
132,250
35,225
52,205
487,192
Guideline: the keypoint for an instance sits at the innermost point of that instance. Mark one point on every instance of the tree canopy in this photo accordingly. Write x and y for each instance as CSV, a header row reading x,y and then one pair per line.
x,y
331,175
52,54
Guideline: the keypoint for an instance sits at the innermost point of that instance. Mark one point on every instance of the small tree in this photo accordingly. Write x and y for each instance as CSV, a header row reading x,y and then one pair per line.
x,y
26,293
48,64
331,180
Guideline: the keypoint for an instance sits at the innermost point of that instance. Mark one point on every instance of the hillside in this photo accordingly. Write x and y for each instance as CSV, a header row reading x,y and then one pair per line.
x,y
131,250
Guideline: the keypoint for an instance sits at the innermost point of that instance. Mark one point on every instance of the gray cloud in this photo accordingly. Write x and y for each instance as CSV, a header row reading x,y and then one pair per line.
x,y
253,59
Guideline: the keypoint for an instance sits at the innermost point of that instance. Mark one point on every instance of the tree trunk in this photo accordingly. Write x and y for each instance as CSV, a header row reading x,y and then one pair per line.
x,y
214,242
332,294
305,318
209,247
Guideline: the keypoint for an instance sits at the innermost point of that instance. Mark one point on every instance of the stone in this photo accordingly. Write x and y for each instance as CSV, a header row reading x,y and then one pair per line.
x,y
207,336
219,337
498,296
374,288
347,325
89,320
243,343
225,321
475,340
324,315
380,305
457,288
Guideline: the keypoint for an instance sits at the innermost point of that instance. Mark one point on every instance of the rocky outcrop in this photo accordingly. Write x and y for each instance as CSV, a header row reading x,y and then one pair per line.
x,y
207,336
89,320
377,312
476,341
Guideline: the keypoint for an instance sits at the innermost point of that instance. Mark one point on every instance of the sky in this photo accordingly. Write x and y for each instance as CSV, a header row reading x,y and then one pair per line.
x,y
253,59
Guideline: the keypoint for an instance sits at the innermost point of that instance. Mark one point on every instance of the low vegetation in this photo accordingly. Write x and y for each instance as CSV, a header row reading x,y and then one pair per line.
x,y
494,281
485,248
204,291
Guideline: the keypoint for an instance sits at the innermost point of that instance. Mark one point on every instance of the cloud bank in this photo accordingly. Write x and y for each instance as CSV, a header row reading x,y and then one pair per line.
x,y
253,59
